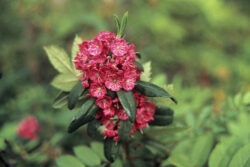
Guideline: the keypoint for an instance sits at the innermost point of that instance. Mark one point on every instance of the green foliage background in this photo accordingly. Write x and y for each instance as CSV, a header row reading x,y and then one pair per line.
x,y
198,49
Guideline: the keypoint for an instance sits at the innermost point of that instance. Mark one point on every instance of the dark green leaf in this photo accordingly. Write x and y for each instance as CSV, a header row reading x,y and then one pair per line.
x,y
164,111
87,113
139,65
111,149
124,130
61,100
160,120
127,100
93,130
151,90
74,94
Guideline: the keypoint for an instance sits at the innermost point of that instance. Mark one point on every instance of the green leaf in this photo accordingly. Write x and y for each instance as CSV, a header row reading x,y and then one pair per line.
x,y
98,149
59,59
161,120
93,130
224,151
87,156
161,131
86,114
139,65
127,100
124,130
117,23
64,81
74,94
75,48
68,161
111,149
61,100
151,90
242,157
123,24
164,111
146,75
201,149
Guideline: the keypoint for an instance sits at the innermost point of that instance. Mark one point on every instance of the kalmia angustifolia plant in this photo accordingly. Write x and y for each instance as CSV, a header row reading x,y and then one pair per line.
x,y
105,82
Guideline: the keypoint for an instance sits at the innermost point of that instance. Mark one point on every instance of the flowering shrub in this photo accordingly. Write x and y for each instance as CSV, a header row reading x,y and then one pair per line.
x,y
104,78
28,128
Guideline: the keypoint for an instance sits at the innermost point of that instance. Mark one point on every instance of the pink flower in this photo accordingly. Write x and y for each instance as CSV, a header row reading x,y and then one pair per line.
x,y
110,133
85,84
122,114
95,47
109,112
108,123
119,47
95,75
97,90
105,36
104,102
114,83
28,128
128,84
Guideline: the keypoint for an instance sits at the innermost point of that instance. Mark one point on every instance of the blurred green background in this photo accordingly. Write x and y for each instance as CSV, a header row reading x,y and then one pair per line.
x,y
202,47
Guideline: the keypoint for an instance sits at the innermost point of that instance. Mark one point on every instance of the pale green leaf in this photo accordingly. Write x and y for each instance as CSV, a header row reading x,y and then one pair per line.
x,y
68,161
75,47
65,81
59,59
201,149
224,151
98,149
146,75
242,157
87,156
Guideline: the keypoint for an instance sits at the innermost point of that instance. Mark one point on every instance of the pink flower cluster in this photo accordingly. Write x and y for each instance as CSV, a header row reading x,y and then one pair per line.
x,y
107,63
28,128
112,112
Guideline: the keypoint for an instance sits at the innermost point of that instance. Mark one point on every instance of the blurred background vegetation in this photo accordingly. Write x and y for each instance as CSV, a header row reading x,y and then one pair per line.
x,y
199,47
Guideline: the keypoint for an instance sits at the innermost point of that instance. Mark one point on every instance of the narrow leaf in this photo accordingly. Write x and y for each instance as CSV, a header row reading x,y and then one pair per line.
x,y
117,23
111,149
61,100
151,90
74,94
127,100
59,59
87,156
64,81
67,161
123,24
124,130
87,113
139,65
